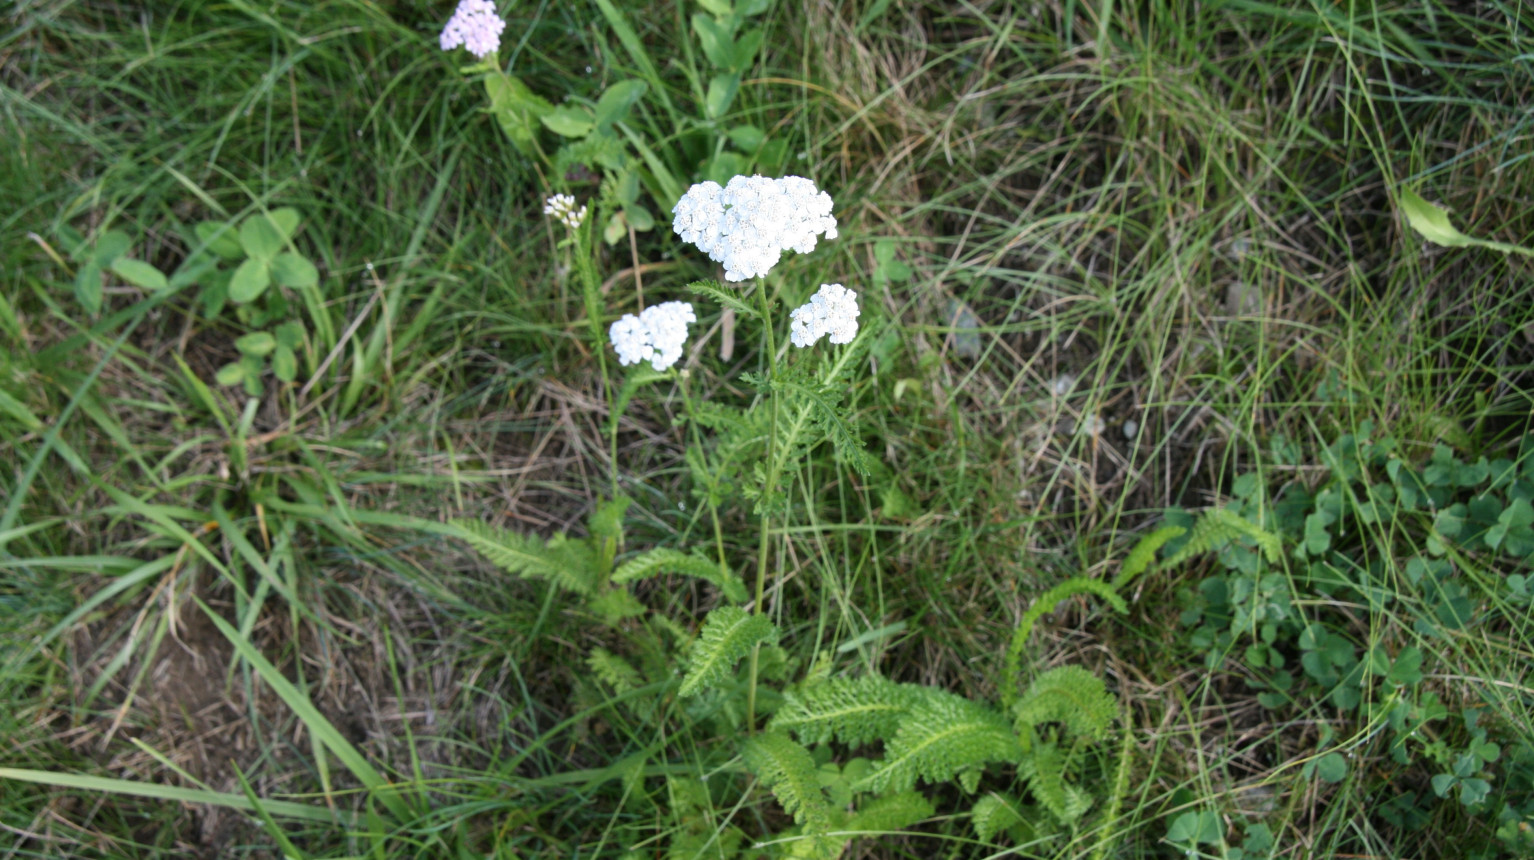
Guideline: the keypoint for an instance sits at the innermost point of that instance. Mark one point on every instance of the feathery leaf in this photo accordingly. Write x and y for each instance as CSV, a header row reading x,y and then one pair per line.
x,y
571,564
943,735
1144,553
728,634
855,712
1069,695
661,560
789,771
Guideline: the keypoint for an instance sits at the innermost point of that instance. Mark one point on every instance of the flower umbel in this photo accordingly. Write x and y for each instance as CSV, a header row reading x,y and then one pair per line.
x,y
561,207
475,26
657,334
749,223
833,310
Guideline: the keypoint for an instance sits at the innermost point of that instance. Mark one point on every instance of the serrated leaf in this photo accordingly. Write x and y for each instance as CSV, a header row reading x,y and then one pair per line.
x,y
1432,223
294,270
140,274
729,633
568,121
260,237
257,343
249,281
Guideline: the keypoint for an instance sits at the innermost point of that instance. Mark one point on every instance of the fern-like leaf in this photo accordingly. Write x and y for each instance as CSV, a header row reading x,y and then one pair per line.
x,y
1140,558
995,813
826,415
1069,695
724,296
892,813
570,564
661,560
614,671
943,735
788,770
1044,771
1012,666
855,712
1218,526
729,633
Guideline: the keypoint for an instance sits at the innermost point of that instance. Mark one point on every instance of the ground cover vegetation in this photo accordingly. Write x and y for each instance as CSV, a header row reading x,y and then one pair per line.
x,y
385,477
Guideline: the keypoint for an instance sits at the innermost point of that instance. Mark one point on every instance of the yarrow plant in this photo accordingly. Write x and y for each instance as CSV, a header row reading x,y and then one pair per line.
x,y
475,26
833,310
657,334
750,222
561,207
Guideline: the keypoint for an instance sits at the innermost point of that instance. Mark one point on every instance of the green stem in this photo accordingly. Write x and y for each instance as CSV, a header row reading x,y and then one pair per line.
x,y
763,544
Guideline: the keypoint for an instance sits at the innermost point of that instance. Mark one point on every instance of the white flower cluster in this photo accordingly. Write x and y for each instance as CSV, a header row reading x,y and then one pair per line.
x,y
475,26
833,310
749,223
561,207
656,334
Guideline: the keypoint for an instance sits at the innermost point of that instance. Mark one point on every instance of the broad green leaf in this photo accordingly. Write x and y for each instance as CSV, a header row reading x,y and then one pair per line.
x,y
259,237
747,138
220,238
721,8
88,287
1332,767
639,217
1432,222
1194,827
517,110
617,101
290,334
140,274
745,48
250,280
230,374
717,41
256,343
111,245
294,270
568,121
721,93
284,364
285,220
616,229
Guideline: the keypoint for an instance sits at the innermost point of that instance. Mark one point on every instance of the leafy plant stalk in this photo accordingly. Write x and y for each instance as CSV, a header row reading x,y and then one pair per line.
x,y
767,490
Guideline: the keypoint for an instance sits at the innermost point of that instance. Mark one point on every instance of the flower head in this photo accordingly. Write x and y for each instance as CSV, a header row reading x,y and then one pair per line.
x,y
657,334
561,207
751,221
833,310
475,26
